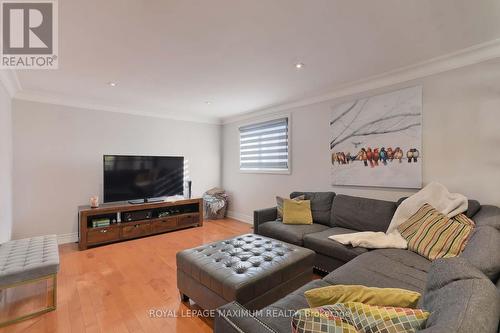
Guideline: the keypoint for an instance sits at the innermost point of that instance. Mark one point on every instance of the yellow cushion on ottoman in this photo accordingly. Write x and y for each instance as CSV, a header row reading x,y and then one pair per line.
x,y
367,295
297,212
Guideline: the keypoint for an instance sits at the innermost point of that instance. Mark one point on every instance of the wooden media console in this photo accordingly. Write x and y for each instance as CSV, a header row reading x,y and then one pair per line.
x,y
128,221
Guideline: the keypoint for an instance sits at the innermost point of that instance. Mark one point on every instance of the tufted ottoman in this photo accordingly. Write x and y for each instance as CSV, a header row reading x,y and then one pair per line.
x,y
25,261
250,269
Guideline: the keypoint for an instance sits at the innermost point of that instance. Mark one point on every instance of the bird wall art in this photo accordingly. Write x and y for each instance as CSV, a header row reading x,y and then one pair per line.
x,y
377,141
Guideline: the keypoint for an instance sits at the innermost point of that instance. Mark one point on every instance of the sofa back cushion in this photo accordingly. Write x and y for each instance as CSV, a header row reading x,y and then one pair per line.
x,y
488,215
321,205
472,208
362,214
483,251
460,298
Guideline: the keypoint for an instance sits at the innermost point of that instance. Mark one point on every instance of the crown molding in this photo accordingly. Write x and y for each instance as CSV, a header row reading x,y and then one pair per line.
x,y
465,57
10,81
57,99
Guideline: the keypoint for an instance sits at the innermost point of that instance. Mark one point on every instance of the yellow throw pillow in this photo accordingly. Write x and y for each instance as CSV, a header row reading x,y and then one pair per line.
x,y
279,205
367,295
297,212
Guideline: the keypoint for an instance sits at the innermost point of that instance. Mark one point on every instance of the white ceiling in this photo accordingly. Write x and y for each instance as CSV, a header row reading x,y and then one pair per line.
x,y
169,57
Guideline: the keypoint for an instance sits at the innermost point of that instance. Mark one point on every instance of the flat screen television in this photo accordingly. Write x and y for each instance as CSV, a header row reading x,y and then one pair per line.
x,y
142,178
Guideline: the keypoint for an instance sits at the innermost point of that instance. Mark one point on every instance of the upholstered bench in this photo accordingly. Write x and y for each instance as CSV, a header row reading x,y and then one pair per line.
x,y
250,269
25,261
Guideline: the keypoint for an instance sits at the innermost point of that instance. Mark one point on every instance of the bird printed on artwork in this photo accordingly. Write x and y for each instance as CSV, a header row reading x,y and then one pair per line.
x,y
409,155
398,154
369,156
390,154
334,158
383,156
356,144
348,157
341,157
376,156
416,154
362,156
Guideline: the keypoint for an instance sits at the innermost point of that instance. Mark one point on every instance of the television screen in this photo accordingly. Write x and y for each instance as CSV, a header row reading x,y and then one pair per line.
x,y
142,177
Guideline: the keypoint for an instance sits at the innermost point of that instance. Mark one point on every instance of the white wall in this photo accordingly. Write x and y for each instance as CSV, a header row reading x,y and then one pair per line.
x,y
461,143
58,158
5,165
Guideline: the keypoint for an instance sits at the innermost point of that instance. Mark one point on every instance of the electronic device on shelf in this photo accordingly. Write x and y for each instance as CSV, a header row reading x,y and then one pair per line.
x,y
100,222
136,215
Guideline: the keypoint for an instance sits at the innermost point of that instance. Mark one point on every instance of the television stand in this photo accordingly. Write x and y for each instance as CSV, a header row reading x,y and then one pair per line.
x,y
128,221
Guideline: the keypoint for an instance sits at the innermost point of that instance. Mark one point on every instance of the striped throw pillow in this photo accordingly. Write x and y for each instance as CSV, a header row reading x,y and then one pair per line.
x,y
434,235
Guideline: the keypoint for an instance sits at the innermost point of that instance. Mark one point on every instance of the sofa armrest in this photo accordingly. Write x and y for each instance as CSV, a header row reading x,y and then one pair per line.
x,y
263,215
234,318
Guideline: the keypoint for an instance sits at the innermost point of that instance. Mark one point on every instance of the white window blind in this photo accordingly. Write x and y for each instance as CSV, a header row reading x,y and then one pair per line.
x,y
264,146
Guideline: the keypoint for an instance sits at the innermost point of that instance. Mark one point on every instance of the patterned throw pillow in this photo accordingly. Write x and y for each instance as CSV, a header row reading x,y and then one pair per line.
x,y
279,205
353,317
434,235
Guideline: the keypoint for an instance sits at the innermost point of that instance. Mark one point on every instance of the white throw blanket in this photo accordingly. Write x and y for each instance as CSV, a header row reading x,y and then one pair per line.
x,y
434,194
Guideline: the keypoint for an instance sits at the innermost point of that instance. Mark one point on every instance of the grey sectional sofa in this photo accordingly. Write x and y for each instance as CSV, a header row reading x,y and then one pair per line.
x,y
460,292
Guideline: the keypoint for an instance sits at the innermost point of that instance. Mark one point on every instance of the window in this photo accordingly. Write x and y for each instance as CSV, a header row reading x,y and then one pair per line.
x,y
264,146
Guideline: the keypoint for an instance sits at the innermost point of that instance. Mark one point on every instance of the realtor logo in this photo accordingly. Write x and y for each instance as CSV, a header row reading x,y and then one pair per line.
x,y
29,34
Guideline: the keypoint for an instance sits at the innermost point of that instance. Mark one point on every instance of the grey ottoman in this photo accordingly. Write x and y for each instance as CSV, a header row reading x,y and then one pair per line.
x,y
25,261
250,269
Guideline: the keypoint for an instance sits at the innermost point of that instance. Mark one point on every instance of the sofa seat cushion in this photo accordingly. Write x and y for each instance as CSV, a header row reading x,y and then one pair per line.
x,y
386,268
321,205
278,315
320,243
289,233
362,214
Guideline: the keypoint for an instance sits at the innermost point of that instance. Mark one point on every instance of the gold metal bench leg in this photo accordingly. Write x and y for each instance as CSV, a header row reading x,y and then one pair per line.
x,y
49,308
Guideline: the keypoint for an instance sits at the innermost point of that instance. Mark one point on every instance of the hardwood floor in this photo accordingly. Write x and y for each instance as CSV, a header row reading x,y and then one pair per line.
x,y
113,288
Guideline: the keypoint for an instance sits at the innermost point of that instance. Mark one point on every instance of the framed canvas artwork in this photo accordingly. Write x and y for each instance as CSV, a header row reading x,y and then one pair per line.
x,y
377,141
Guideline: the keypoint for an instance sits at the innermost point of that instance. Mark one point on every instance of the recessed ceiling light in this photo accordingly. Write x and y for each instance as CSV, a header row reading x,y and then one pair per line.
x,y
299,65
208,102
112,84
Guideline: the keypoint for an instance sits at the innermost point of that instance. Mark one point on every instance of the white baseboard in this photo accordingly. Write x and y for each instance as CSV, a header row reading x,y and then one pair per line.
x,y
67,238
240,217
